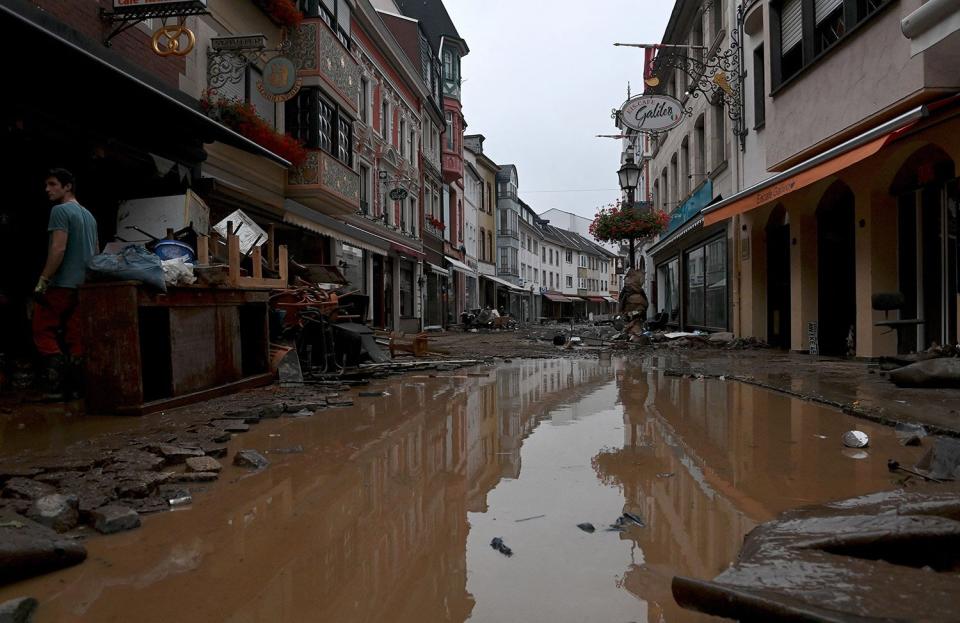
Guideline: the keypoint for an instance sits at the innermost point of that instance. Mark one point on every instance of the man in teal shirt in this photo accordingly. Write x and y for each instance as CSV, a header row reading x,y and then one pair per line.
x,y
56,325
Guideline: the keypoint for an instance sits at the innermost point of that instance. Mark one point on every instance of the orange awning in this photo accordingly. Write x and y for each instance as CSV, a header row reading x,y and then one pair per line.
x,y
795,182
813,170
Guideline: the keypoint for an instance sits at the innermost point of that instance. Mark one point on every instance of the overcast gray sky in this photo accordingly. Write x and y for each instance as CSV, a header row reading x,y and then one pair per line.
x,y
540,81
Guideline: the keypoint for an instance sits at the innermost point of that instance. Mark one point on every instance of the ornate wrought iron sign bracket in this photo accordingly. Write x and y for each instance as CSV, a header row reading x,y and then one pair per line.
x,y
129,15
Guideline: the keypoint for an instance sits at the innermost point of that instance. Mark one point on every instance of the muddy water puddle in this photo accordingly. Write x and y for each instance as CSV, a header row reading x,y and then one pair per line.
x,y
388,512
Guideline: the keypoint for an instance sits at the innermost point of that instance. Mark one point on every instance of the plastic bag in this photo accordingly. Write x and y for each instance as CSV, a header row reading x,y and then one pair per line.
x,y
178,272
133,263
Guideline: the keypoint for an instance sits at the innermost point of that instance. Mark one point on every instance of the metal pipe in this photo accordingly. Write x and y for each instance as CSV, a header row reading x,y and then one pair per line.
x,y
926,17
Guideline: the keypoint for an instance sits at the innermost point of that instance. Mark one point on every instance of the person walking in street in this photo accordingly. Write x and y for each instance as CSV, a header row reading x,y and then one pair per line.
x,y
56,325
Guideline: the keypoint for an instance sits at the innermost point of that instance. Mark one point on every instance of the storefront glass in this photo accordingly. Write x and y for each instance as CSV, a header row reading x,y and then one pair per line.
x,y
406,289
707,285
353,270
668,288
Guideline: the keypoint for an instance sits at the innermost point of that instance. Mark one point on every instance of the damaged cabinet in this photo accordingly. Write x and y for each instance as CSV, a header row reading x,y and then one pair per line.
x,y
147,351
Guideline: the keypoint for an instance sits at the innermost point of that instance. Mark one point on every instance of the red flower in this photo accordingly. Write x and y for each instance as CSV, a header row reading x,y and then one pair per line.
x,y
282,12
242,117
617,222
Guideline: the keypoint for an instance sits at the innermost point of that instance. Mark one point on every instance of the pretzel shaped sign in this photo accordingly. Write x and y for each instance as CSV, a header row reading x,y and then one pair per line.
x,y
166,40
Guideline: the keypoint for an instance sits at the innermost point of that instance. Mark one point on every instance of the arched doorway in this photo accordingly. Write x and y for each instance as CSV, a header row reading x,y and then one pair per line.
x,y
836,270
778,278
927,201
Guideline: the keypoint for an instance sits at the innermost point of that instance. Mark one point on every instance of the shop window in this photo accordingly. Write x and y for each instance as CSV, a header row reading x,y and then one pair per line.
x,y
406,289
707,285
668,288
352,265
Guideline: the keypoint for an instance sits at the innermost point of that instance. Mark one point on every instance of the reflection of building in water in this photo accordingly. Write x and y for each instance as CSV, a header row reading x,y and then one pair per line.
x,y
369,523
703,462
529,391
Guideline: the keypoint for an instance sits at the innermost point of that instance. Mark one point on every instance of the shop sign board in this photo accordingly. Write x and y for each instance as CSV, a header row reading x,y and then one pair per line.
x,y
168,6
243,42
651,113
280,80
398,194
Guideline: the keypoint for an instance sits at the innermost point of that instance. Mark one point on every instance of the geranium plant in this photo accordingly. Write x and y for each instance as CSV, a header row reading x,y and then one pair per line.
x,y
435,222
281,12
618,222
242,117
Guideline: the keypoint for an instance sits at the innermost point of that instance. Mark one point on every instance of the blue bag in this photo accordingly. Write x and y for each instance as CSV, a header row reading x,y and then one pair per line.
x,y
133,263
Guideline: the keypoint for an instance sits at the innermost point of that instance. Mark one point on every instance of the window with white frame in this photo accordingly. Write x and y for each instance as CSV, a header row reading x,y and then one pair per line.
x,y
569,281
364,100
365,189
385,120
403,135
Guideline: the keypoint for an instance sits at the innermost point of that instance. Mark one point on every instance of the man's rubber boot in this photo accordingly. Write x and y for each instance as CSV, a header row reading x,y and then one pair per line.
x,y
73,381
52,379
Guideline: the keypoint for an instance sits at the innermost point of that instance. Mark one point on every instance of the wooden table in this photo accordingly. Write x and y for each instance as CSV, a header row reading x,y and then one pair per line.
x,y
146,350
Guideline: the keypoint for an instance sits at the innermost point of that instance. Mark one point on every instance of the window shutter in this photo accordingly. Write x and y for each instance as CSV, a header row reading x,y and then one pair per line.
x,y
791,24
824,8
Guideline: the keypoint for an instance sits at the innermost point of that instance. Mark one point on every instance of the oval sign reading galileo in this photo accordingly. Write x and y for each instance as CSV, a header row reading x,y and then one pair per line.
x,y
651,113
398,194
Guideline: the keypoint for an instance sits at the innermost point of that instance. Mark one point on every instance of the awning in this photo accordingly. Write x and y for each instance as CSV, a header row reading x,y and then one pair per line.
x,y
556,298
410,252
676,235
440,271
502,282
460,266
817,168
146,96
609,299
596,299
317,222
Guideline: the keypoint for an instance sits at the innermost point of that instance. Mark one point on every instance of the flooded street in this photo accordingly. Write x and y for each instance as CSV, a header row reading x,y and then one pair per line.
x,y
389,510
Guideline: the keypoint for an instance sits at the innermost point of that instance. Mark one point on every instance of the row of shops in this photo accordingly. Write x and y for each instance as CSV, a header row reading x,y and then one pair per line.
x,y
808,250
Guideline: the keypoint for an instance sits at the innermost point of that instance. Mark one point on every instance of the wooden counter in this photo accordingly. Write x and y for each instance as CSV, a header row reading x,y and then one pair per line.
x,y
147,351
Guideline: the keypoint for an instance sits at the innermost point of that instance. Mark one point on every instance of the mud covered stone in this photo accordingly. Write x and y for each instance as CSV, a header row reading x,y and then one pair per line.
x,y
203,464
250,458
231,426
58,512
18,610
26,489
942,372
114,518
216,450
297,407
134,460
15,471
28,549
138,484
178,454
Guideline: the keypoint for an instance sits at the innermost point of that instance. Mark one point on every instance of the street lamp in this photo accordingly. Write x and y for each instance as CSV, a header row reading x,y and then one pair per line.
x,y
629,175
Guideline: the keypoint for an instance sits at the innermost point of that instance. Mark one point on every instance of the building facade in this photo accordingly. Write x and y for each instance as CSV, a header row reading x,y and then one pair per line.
x,y
863,197
486,219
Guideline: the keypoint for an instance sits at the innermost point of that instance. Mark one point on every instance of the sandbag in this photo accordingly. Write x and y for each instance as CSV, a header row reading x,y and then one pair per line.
x,y
133,263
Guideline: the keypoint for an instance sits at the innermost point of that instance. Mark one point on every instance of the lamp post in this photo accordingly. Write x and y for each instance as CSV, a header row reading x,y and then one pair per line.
x,y
629,175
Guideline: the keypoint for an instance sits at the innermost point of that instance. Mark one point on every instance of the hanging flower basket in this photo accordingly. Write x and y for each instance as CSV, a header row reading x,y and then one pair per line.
x,y
281,12
621,222
242,117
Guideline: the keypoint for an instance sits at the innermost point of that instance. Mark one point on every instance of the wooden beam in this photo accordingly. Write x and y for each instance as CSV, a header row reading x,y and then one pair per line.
x,y
284,266
233,257
203,250
272,246
257,260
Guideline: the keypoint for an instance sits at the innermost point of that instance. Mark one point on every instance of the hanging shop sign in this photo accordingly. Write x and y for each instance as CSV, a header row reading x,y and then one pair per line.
x,y
651,113
280,80
398,194
170,8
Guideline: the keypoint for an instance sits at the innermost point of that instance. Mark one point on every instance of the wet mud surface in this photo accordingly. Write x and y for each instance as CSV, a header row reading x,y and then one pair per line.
x,y
385,510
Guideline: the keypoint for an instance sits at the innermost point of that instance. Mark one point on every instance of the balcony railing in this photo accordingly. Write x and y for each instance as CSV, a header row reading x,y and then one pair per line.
x,y
430,229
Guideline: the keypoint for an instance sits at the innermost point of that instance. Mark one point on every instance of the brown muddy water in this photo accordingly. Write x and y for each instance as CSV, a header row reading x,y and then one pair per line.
x,y
388,513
